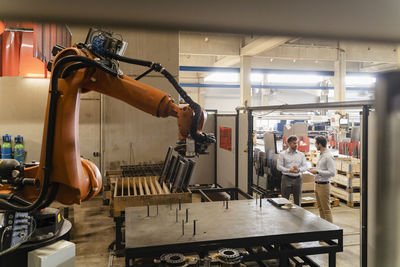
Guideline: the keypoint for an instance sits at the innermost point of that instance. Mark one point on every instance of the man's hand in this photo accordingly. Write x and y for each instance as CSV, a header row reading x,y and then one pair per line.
x,y
294,169
312,170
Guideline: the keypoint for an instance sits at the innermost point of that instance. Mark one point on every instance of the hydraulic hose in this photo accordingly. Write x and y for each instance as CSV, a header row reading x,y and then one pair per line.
x,y
40,202
157,67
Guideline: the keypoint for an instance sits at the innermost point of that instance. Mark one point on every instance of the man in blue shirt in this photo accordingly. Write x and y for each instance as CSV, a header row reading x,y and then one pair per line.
x,y
292,163
323,172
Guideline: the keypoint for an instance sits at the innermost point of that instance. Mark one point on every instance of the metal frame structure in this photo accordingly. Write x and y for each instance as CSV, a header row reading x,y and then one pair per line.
x,y
215,111
277,244
365,106
277,247
119,221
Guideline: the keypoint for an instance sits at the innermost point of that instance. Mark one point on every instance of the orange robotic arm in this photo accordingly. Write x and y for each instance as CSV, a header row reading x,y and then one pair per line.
x,y
80,179
62,174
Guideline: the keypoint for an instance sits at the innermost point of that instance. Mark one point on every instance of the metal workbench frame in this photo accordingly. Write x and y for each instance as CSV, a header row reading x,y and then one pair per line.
x,y
279,247
365,106
282,247
120,220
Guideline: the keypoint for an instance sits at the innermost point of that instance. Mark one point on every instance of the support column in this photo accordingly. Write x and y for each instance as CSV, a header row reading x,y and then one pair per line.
x,y
201,92
265,92
340,76
245,84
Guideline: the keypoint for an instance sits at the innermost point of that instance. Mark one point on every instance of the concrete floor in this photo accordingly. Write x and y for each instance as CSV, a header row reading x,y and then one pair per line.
x,y
93,231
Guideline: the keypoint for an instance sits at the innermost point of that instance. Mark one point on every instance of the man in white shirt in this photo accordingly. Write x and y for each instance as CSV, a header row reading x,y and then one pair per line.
x,y
292,163
323,172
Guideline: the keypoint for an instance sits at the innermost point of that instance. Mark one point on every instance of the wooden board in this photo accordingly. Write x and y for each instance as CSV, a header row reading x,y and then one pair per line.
x,y
348,165
141,191
308,187
344,195
347,181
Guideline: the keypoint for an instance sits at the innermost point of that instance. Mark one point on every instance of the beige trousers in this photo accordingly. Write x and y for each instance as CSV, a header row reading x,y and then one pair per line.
x,y
322,193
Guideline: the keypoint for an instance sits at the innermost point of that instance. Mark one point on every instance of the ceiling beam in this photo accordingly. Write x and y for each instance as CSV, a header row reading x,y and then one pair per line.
x,y
262,44
342,19
355,52
255,47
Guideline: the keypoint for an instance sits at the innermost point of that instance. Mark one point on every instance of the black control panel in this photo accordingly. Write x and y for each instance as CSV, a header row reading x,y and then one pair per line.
x,y
14,228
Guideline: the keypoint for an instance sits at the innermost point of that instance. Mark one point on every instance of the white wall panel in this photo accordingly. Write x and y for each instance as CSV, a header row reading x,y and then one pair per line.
x,y
243,154
204,171
225,158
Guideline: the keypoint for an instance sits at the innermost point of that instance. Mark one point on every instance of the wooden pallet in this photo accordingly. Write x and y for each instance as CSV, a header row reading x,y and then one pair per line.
x,y
348,174
348,189
350,198
350,204
142,191
313,203
348,165
348,182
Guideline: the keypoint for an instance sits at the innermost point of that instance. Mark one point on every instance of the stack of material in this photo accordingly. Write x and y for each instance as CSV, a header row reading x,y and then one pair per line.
x,y
142,187
308,182
346,182
145,169
142,191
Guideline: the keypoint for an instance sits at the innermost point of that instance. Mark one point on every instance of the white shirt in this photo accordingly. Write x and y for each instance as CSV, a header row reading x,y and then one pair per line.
x,y
325,167
287,159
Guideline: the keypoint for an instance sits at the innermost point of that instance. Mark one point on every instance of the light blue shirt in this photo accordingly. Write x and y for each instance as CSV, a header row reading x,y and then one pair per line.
x,y
325,167
287,159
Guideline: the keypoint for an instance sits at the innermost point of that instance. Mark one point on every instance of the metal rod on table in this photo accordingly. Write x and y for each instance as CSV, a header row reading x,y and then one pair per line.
x,y
227,204
176,215
183,227
187,215
180,204
261,197
194,227
170,205
148,210
157,209
256,199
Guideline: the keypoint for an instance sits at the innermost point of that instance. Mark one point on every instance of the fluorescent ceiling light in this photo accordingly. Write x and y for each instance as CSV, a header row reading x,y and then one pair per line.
x,y
256,77
295,78
361,80
232,77
228,77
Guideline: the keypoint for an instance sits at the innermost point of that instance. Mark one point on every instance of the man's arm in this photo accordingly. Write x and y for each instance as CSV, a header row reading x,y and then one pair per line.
x,y
303,164
279,164
330,165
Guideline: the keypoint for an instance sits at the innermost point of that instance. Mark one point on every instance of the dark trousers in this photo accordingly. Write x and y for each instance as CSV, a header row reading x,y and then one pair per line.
x,y
290,185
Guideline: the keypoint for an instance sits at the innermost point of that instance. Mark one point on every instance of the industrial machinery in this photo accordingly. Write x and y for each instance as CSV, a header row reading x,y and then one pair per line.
x,y
62,174
224,257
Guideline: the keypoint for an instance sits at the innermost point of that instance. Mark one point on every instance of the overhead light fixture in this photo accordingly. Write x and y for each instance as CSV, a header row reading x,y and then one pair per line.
x,y
232,77
229,77
360,80
295,78
256,77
